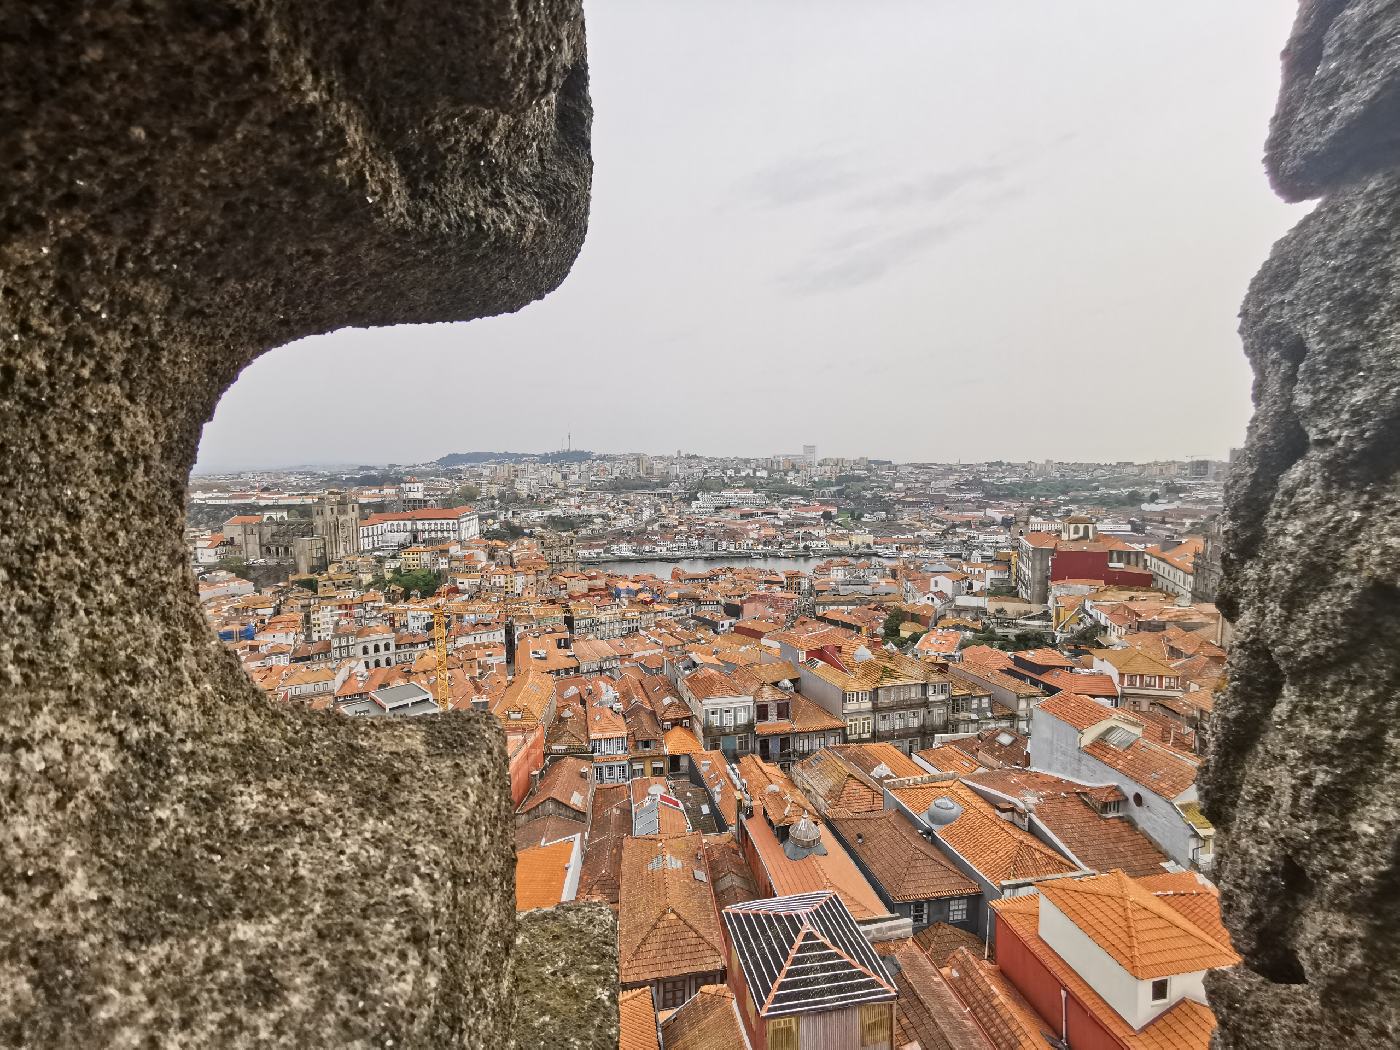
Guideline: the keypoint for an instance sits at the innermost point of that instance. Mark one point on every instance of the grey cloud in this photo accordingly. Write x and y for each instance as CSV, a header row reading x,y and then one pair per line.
x,y
799,180
861,257
933,188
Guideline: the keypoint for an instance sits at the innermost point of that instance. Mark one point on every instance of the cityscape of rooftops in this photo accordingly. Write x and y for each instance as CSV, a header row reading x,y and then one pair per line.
x,y
909,731
867,692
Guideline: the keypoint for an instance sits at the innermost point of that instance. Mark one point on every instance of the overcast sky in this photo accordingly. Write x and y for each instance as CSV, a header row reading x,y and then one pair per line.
x,y
908,229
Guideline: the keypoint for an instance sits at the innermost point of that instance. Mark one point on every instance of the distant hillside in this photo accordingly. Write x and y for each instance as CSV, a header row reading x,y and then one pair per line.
x,y
462,459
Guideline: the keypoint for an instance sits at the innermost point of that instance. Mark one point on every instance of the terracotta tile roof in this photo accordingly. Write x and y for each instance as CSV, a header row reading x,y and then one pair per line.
x,y
525,701
706,683
1193,897
928,1013
835,785
544,830
879,761
1146,936
1134,661
1090,685
999,850
1046,657
939,941
609,823
667,923
664,815
1001,1012
1081,711
905,864
604,723
637,1028
1186,1026
568,781
819,872
681,741
949,759
772,792
772,673
806,717
1100,843
708,1020
996,747
540,874
1155,768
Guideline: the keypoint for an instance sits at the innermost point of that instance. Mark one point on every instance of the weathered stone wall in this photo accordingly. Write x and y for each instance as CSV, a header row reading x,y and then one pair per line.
x,y
1303,777
184,186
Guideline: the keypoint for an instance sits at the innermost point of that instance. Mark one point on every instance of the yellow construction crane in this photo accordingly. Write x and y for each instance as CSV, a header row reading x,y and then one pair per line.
x,y
444,691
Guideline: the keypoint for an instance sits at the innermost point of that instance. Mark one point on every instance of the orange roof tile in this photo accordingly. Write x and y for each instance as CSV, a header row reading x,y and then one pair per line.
x,y
637,1029
833,870
1001,1012
1001,851
1186,1026
1146,936
541,873
948,759
708,1020
1082,712
905,864
667,922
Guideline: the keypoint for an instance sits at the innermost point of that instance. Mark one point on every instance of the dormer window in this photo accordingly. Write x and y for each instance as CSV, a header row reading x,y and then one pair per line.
x,y
1160,988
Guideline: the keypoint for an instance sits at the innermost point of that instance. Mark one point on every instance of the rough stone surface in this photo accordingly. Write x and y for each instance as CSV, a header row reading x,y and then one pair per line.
x,y
1303,775
182,187
1338,118
565,979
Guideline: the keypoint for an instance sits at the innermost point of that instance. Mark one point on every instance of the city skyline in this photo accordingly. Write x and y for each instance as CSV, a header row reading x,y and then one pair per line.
x,y
772,248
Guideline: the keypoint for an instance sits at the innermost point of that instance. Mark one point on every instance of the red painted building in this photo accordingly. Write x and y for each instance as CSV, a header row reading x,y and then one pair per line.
x,y
526,751
1089,561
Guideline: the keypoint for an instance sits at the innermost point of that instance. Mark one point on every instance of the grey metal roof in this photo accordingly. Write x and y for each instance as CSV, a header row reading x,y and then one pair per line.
x,y
805,953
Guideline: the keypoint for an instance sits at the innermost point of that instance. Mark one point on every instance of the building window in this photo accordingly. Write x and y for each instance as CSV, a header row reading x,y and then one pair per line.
x,y
957,909
875,1026
918,911
1159,990
672,994
1112,809
783,1033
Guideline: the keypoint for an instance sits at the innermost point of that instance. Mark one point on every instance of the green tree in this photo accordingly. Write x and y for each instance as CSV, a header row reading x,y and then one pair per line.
x,y
892,623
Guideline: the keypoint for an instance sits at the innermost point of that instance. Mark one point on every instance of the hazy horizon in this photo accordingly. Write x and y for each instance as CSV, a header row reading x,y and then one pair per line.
x,y
921,232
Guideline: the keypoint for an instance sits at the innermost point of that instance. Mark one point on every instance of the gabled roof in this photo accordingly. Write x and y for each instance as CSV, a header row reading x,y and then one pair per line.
x,y
708,1020
667,924
541,873
837,784
1081,712
636,1017
1155,768
609,823
771,791
1186,1026
829,868
929,1013
1100,843
939,940
905,864
1008,1021
997,849
805,954
568,781
880,761
1144,935
949,759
